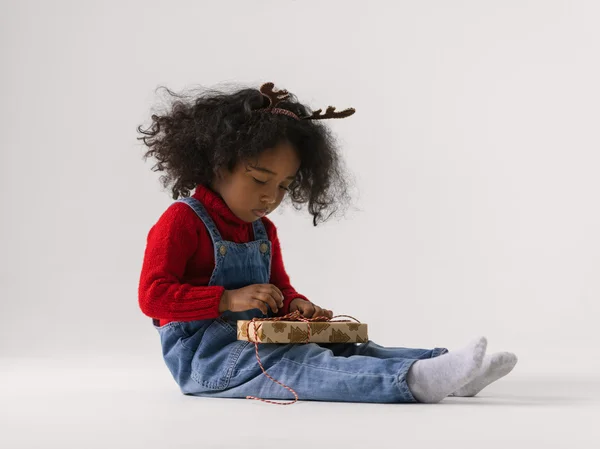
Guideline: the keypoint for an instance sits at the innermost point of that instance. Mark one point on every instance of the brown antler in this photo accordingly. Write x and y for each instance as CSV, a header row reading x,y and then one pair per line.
x,y
329,113
274,96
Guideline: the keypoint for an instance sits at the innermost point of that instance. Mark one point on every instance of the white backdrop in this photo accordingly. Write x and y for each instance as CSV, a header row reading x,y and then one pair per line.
x,y
474,148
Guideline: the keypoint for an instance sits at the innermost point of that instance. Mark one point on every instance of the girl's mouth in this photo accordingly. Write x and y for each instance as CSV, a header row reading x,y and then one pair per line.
x,y
259,212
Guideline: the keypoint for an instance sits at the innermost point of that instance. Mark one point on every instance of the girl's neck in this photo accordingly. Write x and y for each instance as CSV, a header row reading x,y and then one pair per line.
x,y
211,199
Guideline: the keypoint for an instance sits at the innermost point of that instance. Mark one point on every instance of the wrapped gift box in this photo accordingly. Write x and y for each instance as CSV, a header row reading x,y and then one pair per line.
x,y
297,331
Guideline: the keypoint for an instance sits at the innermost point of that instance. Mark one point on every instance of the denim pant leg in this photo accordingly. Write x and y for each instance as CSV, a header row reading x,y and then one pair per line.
x,y
372,349
317,374
176,356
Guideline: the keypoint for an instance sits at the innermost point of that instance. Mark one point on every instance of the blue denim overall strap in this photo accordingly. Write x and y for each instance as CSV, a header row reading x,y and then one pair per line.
x,y
260,233
236,264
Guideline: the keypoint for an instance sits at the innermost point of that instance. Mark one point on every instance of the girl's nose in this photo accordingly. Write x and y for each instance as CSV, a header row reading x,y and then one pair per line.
x,y
269,198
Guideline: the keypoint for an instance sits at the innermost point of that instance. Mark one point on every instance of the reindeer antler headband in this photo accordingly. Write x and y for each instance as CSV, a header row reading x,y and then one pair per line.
x,y
275,96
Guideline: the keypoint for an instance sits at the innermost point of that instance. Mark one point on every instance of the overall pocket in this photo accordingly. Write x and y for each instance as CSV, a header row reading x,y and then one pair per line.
x,y
216,356
171,335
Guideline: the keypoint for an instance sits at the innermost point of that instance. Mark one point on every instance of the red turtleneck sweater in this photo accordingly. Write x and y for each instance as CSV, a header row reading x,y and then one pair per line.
x,y
179,261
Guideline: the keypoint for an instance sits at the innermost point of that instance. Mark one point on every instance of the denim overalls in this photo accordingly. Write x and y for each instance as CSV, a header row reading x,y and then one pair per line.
x,y
206,359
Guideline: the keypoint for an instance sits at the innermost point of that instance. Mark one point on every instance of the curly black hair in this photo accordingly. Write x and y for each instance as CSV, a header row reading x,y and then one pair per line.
x,y
200,133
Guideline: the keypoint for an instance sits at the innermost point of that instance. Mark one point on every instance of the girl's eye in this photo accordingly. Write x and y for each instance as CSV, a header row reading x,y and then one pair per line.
x,y
258,181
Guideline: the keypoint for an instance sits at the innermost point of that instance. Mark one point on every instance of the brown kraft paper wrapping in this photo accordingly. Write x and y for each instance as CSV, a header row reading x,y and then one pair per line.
x,y
297,332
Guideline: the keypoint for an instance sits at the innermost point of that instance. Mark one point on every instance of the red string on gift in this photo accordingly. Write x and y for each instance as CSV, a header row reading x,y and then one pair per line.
x,y
294,316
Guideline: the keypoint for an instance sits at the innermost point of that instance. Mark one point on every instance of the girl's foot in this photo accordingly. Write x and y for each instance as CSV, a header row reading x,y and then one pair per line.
x,y
431,380
493,368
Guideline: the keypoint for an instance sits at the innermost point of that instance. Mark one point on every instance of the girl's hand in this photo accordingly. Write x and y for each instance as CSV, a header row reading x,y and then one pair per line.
x,y
256,296
308,309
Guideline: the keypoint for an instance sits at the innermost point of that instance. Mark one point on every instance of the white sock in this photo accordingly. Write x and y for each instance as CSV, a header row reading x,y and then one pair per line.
x,y
494,367
431,380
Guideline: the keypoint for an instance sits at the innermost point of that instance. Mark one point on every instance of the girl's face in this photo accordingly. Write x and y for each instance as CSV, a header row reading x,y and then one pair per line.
x,y
256,188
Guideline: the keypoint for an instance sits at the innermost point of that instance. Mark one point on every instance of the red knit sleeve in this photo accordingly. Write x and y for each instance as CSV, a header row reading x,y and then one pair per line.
x,y
279,277
171,243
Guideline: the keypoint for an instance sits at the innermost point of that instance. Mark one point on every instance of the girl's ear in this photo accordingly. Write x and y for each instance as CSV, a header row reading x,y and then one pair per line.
x,y
217,180
221,174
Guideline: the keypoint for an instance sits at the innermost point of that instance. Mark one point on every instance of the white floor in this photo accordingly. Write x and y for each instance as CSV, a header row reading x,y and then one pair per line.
x,y
47,403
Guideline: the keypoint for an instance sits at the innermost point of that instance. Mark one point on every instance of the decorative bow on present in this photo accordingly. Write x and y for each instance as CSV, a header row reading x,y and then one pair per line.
x,y
294,316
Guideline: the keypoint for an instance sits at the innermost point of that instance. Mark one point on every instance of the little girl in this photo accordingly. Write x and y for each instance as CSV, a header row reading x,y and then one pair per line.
x,y
214,257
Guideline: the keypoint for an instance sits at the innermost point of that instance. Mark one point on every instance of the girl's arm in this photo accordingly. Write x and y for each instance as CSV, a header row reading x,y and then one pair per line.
x,y
171,243
279,277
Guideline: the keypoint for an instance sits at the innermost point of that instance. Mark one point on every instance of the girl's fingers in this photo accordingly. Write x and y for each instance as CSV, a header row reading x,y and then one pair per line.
x,y
258,304
274,292
309,310
279,292
269,299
